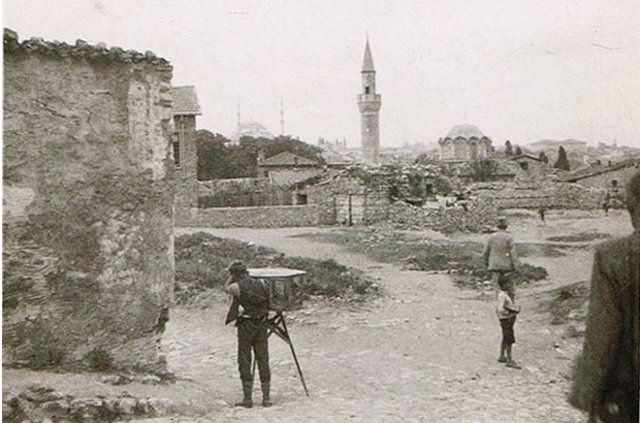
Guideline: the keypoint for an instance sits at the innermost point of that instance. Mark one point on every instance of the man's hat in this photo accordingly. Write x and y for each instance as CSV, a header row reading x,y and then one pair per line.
x,y
237,266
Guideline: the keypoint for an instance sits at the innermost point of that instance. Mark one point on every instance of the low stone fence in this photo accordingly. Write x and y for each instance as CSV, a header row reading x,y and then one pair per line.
x,y
242,192
480,215
252,217
555,195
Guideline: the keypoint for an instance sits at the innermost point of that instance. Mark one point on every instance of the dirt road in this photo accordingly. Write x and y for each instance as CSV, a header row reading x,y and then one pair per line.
x,y
426,351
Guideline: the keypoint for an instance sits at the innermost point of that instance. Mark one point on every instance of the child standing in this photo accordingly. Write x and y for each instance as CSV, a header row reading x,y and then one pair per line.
x,y
506,311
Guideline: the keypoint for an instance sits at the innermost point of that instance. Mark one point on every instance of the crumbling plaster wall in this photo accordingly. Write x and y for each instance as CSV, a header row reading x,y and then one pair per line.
x,y
88,268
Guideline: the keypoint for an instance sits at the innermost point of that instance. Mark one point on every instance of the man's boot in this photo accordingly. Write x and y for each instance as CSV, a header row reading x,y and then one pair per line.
x,y
246,402
266,401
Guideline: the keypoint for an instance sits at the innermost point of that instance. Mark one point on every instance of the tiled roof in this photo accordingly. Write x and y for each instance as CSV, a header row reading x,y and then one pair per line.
x,y
292,177
185,101
594,170
287,159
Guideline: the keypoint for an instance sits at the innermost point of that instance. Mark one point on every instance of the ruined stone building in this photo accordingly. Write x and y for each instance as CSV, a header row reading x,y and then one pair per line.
x,y
369,102
611,177
464,143
185,156
88,195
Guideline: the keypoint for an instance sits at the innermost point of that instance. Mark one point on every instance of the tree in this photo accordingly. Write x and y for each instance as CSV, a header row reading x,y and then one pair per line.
x,y
218,159
508,148
518,151
483,170
562,162
543,157
213,155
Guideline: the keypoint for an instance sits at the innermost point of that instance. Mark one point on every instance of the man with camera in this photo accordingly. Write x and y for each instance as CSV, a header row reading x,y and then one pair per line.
x,y
253,329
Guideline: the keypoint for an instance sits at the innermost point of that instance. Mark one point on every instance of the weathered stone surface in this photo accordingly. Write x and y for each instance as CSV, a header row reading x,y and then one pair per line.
x,y
253,217
553,195
88,193
37,393
86,408
480,215
242,192
58,407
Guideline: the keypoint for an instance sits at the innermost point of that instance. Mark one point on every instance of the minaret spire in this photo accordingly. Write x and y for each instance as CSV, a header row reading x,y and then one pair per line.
x,y
369,102
238,115
281,117
367,62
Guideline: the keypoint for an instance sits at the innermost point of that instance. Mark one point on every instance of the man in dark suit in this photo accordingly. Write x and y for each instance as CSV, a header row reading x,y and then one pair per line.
x,y
606,374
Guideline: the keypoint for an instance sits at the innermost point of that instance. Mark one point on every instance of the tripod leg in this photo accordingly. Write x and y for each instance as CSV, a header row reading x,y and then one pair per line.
x,y
295,358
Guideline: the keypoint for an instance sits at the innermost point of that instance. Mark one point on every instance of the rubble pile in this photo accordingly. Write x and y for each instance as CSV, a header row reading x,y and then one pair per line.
x,y
479,216
40,403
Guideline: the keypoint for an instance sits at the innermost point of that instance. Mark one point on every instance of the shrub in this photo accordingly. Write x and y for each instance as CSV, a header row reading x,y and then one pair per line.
x,y
99,359
202,259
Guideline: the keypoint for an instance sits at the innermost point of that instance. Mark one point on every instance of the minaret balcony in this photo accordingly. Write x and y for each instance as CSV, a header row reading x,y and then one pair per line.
x,y
363,98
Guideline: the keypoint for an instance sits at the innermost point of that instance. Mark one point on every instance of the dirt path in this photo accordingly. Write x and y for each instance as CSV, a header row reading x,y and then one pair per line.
x,y
425,352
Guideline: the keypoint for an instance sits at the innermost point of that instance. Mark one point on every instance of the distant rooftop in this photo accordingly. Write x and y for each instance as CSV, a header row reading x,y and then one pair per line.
x,y
287,159
185,101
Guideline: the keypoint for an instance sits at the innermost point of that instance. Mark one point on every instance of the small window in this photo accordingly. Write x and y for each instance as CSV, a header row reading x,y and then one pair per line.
x,y
176,153
524,165
366,90
614,183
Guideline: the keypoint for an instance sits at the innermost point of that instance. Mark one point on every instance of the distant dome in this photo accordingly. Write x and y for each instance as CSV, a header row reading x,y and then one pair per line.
x,y
465,131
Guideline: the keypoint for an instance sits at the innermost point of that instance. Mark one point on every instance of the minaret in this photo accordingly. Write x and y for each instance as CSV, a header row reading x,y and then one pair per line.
x,y
281,117
238,115
369,103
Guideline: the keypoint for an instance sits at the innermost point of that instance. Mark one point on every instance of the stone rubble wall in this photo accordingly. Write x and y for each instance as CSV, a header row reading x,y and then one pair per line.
x,y
42,404
87,217
480,216
252,217
367,205
242,192
552,195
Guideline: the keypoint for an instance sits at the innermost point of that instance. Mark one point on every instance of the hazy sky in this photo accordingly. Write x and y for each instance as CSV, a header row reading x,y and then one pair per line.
x,y
519,69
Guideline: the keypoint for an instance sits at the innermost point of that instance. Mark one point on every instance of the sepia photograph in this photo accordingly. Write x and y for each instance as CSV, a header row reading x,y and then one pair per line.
x,y
321,211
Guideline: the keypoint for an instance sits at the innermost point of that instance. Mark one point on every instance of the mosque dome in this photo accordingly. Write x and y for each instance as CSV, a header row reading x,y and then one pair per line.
x,y
465,131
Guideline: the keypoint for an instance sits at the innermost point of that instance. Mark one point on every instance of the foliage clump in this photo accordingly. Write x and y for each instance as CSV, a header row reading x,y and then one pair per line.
x,y
201,261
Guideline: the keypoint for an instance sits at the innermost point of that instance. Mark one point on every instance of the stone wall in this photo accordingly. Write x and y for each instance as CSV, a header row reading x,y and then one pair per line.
x,y
480,215
253,217
88,192
242,192
552,195
604,180
349,200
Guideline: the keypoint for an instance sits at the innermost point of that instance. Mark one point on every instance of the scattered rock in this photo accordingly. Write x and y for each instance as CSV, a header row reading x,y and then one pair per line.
x,y
86,408
37,394
151,380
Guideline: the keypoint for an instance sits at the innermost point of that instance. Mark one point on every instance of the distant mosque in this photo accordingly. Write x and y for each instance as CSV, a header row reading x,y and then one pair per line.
x,y
369,103
464,143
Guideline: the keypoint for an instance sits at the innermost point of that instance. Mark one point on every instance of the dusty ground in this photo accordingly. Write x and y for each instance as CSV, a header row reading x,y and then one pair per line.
x,y
426,351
